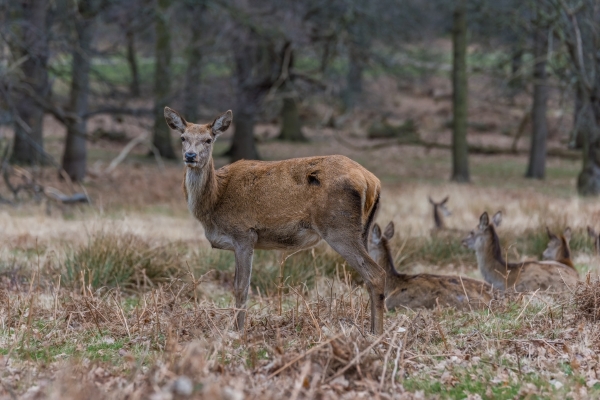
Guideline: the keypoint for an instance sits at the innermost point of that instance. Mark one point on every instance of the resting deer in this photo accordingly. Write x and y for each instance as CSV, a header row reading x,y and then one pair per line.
x,y
287,205
439,212
594,235
424,290
523,276
558,248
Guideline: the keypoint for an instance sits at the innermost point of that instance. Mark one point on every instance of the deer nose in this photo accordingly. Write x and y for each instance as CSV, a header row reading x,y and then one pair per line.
x,y
190,157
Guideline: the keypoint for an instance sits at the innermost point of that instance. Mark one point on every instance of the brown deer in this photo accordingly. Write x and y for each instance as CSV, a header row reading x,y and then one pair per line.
x,y
558,248
523,276
287,205
594,235
424,290
439,212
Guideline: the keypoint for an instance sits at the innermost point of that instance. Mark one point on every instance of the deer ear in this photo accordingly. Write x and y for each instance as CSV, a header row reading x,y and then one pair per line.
x,y
431,200
549,233
175,120
389,230
445,200
484,220
497,219
567,233
376,236
591,232
221,123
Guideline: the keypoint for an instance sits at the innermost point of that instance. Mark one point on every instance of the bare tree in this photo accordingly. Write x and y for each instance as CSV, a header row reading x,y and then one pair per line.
x,y
29,45
193,75
75,154
161,138
460,151
537,155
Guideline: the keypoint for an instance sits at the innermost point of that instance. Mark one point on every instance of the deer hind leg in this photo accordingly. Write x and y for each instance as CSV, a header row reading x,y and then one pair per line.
x,y
356,255
243,271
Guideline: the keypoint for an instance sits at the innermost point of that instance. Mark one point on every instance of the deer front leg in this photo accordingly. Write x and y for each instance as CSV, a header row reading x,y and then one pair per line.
x,y
243,271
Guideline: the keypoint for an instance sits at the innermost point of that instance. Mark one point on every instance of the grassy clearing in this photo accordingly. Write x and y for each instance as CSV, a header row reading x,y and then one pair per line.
x,y
115,338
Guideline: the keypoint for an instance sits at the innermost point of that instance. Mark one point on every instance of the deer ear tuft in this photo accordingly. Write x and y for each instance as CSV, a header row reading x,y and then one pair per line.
x,y
221,123
567,233
376,235
175,120
389,230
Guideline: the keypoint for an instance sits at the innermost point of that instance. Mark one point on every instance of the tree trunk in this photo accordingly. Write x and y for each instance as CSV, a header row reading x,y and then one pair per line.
x,y
354,77
256,69
191,89
161,138
460,153
134,85
290,121
539,134
31,45
576,140
75,153
588,182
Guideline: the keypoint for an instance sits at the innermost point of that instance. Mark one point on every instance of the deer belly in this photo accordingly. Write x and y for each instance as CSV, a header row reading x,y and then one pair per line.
x,y
281,240
219,240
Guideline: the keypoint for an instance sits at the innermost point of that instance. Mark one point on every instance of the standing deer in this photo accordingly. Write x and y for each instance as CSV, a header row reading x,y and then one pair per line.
x,y
522,276
424,290
558,248
594,235
439,212
287,205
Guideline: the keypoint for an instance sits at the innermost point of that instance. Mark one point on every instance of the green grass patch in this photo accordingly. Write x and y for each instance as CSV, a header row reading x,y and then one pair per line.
x,y
124,260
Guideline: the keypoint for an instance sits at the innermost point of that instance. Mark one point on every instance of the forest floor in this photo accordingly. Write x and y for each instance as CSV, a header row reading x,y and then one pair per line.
x,y
124,298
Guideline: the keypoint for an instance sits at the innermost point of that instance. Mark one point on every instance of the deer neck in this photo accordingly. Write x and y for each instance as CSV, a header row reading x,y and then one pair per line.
x,y
492,265
387,262
201,189
438,218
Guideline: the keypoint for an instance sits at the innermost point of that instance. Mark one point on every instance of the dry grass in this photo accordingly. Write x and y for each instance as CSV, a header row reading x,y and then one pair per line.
x,y
125,299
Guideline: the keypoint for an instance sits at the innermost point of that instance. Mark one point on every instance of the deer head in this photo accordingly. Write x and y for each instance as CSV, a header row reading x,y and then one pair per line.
x,y
558,246
197,140
378,245
484,234
440,211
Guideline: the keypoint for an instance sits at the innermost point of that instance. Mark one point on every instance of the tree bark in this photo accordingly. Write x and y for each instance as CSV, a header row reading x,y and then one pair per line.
x,y
354,77
576,140
161,138
193,75
31,33
134,86
256,69
539,134
460,151
75,153
290,121
588,181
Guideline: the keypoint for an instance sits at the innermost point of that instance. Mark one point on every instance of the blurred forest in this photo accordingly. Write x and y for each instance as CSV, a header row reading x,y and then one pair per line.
x,y
293,64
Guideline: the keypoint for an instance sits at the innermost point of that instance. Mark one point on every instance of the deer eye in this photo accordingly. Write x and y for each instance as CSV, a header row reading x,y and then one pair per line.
x,y
208,141
182,139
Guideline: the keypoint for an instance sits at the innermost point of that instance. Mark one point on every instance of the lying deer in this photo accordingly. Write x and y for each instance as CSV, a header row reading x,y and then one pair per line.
x,y
523,276
594,235
558,248
286,205
439,212
424,290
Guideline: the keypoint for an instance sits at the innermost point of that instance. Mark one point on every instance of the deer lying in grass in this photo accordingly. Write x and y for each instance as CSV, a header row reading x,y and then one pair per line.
x,y
594,235
558,248
286,205
523,276
424,290
439,212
